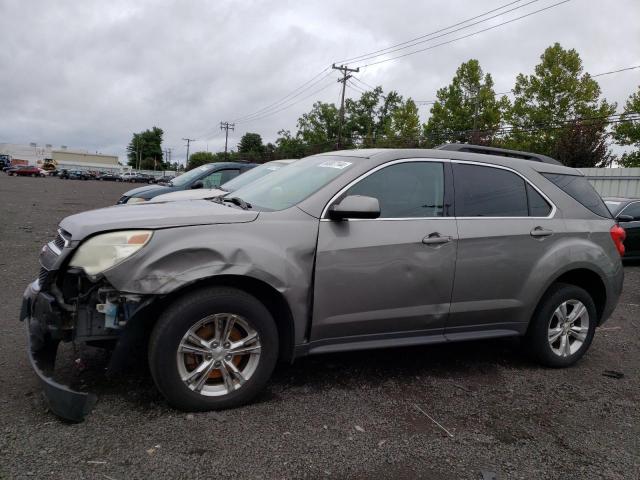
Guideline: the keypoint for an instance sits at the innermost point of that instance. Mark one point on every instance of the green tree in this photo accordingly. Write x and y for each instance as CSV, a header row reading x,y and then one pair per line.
x,y
367,118
466,110
251,147
627,131
318,129
556,94
403,129
583,144
146,146
197,159
288,146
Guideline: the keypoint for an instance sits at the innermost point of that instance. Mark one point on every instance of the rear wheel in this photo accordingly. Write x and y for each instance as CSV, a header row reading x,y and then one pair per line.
x,y
214,348
563,326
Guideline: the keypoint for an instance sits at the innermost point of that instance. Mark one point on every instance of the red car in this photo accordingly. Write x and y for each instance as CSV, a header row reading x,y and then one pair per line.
x,y
27,171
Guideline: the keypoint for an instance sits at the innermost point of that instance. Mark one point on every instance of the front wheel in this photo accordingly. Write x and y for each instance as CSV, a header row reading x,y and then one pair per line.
x,y
214,348
563,326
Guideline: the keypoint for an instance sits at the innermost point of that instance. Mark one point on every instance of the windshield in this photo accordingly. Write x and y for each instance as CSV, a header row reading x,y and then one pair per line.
x,y
289,186
191,175
251,176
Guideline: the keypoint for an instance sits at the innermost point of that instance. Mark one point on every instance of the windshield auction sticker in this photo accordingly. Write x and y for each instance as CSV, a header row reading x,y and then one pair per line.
x,y
339,164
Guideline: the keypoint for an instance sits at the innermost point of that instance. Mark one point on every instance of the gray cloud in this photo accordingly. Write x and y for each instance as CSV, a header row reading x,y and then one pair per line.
x,y
88,74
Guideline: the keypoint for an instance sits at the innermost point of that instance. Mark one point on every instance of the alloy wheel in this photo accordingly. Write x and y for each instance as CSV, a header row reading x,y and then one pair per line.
x,y
568,328
218,354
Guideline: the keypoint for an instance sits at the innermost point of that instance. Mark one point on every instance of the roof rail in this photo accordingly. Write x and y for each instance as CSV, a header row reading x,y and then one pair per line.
x,y
501,152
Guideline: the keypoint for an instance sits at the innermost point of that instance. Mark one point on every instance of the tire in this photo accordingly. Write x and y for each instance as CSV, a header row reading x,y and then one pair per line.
x,y
547,323
169,367
33,175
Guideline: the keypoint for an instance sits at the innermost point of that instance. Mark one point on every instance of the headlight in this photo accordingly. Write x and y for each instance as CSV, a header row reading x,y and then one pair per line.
x,y
136,200
104,251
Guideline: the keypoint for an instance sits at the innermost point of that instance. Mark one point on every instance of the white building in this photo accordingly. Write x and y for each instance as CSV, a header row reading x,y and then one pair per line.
x,y
64,157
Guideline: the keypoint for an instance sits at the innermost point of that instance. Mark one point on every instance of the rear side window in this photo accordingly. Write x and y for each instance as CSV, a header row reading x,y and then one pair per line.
x,y
538,206
581,190
488,192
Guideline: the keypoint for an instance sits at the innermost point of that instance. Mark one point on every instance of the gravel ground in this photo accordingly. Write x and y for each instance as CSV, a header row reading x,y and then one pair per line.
x,y
358,415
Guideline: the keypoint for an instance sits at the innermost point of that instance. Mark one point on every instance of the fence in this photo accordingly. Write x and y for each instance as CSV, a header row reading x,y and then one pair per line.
x,y
615,182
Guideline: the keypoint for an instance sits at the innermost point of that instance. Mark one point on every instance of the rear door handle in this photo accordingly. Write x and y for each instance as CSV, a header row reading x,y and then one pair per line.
x,y
435,239
541,232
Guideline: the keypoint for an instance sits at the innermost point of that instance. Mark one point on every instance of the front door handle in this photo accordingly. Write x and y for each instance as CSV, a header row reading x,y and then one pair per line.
x,y
541,232
436,239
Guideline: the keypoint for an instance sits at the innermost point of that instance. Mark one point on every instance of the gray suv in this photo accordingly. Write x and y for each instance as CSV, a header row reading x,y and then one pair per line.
x,y
340,251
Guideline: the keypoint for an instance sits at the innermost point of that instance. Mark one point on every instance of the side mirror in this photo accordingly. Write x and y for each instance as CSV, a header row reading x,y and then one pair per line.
x,y
625,218
198,184
355,206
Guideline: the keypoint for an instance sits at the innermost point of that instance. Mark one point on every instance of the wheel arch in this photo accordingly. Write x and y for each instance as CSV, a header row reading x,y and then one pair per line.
x,y
586,278
271,298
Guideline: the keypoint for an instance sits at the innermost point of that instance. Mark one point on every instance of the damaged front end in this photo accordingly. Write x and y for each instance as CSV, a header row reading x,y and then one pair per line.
x,y
64,304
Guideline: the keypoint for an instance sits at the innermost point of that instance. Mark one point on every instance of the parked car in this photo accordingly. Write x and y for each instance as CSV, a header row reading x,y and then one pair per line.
x,y
211,175
9,170
109,177
339,251
232,185
165,179
26,171
143,178
627,212
65,174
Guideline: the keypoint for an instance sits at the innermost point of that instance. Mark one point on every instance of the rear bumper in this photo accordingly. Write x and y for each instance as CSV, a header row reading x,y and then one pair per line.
x,y
614,290
39,312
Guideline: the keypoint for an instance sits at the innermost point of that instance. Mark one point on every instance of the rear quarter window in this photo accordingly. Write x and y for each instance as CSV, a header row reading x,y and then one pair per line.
x,y
581,190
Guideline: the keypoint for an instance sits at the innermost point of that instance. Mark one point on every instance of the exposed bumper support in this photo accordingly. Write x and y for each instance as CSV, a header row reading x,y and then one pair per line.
x,y
42,349
62,401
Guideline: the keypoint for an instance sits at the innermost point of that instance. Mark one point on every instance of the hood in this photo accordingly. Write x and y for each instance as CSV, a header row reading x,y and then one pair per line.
x,y
154,215
191,194
149,191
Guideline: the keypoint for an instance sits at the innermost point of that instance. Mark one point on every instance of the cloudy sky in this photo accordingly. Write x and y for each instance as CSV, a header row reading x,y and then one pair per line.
x,y
87,74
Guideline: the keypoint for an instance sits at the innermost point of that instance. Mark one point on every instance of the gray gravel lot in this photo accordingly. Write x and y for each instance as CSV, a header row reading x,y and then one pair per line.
x,y
338,416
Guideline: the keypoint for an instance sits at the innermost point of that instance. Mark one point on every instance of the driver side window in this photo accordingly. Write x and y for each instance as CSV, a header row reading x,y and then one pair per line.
x,y
406,190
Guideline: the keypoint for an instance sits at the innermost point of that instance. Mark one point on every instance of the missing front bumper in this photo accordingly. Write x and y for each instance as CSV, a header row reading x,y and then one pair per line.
x,y
37,308
62,400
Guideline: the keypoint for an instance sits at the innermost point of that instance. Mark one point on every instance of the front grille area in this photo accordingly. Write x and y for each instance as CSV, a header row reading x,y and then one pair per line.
x,y
60,241
42,276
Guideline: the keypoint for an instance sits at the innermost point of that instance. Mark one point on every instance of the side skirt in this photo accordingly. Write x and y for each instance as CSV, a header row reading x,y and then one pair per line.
x,y
369,342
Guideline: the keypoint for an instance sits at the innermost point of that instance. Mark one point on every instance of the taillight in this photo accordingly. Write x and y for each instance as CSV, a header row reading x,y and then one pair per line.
x,y
618,235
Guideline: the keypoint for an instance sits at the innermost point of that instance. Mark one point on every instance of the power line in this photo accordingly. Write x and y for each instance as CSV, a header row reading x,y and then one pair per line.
x,y
616,71
293,94
347,60
465,36
417,41
273,112
431,102
355,87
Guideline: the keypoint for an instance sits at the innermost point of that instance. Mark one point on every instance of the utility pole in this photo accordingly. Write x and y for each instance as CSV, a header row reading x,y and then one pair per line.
x,y
226,126
345,76
188,140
